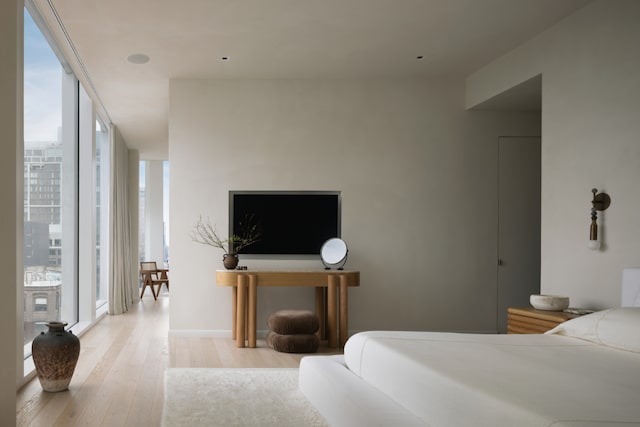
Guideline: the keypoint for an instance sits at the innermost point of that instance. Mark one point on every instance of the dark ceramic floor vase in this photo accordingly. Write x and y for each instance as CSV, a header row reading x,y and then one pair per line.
x,y
55,354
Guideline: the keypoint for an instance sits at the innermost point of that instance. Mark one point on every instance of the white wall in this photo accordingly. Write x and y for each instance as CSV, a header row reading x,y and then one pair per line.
x,y
10,209
418,179
590,66
134,200
154,219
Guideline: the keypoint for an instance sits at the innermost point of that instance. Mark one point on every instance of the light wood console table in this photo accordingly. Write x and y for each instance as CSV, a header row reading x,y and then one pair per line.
x,y
244,299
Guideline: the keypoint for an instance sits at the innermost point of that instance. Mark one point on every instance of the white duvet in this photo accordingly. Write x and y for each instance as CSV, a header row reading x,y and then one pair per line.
x,y
450,379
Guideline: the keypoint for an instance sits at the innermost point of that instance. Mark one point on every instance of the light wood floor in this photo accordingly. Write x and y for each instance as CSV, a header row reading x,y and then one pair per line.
x,y
119,377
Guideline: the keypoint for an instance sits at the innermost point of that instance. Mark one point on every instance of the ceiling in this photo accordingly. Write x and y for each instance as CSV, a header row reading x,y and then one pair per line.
x,y
266,39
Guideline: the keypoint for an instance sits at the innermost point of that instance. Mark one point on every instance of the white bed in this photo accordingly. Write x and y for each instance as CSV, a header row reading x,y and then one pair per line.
x,y
586,372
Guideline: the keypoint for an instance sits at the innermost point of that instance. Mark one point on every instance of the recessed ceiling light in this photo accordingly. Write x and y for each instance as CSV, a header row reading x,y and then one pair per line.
x,y
138,58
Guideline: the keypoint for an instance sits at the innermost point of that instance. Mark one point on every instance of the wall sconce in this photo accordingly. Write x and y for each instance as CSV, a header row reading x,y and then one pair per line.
x,y
600,202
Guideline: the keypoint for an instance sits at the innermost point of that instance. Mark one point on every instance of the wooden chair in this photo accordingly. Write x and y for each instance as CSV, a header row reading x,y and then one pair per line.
x,y
152,276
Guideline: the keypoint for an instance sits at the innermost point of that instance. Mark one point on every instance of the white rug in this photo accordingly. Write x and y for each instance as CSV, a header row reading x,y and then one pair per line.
x,y
235,397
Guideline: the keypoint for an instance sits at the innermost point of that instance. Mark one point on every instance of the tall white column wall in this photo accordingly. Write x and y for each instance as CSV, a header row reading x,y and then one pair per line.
x,y
154,222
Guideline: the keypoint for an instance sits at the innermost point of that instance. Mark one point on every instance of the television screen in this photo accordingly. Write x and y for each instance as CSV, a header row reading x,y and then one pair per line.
x,y
290,222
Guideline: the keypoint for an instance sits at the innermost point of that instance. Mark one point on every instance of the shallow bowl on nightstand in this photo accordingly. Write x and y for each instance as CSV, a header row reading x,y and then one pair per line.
x,y
549,302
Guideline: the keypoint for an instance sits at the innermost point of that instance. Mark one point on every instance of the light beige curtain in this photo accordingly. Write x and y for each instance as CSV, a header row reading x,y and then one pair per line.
x,y
123,280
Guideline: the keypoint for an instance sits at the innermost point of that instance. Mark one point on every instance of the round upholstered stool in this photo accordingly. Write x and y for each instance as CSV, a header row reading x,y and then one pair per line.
x,y
289,322
297,343
293,331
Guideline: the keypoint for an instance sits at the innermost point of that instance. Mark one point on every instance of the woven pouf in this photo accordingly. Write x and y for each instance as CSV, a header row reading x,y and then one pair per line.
x,y
293,331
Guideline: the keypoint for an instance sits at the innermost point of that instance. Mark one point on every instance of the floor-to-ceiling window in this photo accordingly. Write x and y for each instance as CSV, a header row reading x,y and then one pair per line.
x,y
50,186
102,212
66,191
165,210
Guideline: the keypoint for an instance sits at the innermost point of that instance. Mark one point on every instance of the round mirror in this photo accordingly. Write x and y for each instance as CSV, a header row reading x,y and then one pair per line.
x,y
334,253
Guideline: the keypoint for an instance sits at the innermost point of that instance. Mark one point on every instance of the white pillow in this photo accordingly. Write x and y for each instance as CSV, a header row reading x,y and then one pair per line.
x,y
616,327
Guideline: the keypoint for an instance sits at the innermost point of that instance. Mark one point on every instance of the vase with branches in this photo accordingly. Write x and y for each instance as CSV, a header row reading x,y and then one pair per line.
x,y
205,233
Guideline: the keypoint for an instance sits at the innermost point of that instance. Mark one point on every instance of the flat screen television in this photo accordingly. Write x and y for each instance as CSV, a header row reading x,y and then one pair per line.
x,y
290,222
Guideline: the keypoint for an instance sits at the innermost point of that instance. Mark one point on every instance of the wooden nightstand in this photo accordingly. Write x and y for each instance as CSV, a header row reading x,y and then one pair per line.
x,y
532,321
